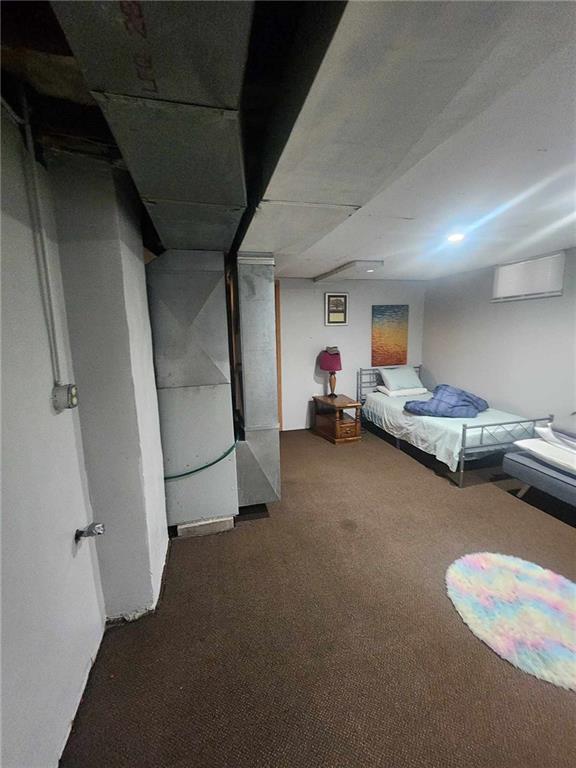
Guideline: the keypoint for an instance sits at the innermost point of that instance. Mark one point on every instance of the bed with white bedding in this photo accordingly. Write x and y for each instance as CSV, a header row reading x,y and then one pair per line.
x,y
452,441
439,436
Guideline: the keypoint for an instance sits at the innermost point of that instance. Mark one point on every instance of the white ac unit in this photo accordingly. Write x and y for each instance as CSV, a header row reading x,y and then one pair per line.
x,y
532,279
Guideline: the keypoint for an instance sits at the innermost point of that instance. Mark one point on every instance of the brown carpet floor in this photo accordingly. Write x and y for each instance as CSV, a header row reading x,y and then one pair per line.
x,y
322,635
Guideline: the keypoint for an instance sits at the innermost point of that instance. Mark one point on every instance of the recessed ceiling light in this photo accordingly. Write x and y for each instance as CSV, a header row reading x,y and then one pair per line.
x,y
456,237
369,270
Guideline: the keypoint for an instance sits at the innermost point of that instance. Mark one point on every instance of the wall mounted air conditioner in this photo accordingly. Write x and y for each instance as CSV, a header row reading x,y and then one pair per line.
x,y
533,279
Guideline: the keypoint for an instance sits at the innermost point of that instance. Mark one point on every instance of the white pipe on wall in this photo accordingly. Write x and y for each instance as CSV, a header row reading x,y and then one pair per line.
x,y
41,246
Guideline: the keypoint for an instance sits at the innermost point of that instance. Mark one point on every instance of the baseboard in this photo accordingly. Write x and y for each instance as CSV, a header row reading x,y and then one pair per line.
x,y
205,527
125,618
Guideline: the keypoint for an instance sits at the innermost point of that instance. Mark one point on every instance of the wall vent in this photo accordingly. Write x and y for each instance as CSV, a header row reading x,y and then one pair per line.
x,y
533,279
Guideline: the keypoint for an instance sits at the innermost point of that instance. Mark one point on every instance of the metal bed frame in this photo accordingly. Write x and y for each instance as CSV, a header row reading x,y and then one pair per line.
x,y
367,379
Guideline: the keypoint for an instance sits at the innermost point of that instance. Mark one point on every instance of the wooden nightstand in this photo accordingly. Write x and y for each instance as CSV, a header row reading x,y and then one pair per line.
x,y
331,422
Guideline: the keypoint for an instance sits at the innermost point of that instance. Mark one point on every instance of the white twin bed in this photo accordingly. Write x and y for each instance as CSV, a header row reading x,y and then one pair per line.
x,y
452,441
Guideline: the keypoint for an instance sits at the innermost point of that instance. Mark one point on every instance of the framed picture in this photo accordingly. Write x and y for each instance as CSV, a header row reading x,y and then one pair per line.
x,y
389,334
335,309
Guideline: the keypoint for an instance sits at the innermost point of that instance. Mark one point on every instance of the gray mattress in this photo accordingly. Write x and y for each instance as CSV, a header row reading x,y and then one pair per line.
x,y
552,480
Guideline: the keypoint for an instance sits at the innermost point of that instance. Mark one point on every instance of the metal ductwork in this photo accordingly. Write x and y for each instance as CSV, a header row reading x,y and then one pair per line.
x,y
258,455
170,80
187,298
168,77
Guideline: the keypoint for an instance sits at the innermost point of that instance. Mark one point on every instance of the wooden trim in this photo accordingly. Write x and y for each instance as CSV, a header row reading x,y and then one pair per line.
x,y
278,349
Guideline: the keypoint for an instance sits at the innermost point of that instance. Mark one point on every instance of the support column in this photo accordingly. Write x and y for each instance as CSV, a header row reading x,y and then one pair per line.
x,y
105,289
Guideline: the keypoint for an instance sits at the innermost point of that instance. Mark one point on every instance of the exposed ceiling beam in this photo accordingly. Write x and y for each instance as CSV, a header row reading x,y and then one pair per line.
x,y
352,270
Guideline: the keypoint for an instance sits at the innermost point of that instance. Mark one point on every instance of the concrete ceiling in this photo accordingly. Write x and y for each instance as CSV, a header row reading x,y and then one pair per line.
x,y
426,118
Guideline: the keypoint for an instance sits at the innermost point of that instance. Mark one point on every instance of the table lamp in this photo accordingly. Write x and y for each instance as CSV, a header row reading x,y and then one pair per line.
x,y
330,361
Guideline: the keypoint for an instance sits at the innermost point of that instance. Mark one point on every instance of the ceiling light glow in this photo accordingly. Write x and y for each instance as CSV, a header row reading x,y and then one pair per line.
x,y
369,270
456,237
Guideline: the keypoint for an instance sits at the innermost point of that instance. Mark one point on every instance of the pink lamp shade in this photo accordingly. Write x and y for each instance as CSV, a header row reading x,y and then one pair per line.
x,y
330,362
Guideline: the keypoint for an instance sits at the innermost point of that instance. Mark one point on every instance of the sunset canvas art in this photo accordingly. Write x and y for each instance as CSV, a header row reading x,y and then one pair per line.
x,y
389,334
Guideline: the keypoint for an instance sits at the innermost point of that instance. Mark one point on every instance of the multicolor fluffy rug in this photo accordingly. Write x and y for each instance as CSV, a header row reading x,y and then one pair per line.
x,y
525,613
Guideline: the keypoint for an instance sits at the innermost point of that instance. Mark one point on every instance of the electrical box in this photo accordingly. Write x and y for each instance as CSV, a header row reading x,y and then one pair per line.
x,y
64,396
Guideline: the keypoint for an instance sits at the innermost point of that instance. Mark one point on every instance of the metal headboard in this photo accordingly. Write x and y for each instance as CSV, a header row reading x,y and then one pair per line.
x,y
367,379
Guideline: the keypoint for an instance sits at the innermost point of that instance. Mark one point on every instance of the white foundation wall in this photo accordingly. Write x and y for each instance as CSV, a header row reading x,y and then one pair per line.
x,y
104,281
519,355
304,335
52,607
146,400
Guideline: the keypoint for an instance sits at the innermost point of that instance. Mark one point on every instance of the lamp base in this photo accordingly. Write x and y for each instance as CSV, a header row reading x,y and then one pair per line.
x,y
332,380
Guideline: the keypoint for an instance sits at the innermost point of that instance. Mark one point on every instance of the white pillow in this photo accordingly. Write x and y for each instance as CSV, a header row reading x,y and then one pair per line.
x,y
403,392
401,377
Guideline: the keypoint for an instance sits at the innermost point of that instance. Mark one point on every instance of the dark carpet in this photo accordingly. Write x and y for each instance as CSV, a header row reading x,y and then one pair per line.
x,y
322,635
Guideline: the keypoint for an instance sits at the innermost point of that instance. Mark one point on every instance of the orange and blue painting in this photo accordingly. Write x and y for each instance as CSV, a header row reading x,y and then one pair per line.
x,y
389,334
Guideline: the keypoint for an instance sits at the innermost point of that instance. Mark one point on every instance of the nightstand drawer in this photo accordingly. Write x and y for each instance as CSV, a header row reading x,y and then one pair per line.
x,y
348,428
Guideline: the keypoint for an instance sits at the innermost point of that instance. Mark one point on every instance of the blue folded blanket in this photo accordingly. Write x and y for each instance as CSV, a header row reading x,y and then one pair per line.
x,y
447,401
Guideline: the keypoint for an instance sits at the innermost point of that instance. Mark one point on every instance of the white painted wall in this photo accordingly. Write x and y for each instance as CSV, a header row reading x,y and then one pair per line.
x,y
304,335
146,401
519,355
52,608
104,283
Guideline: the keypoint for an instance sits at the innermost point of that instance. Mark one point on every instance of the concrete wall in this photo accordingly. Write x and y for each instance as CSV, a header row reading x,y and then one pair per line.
x,y
304,335
104,282
519,355
188,312
145,398
52,608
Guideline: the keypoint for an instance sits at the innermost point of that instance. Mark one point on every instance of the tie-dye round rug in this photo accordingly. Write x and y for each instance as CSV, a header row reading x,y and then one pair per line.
x,y
525,613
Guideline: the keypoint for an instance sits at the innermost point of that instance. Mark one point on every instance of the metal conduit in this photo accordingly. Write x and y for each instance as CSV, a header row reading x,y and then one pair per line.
x,y
40,245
